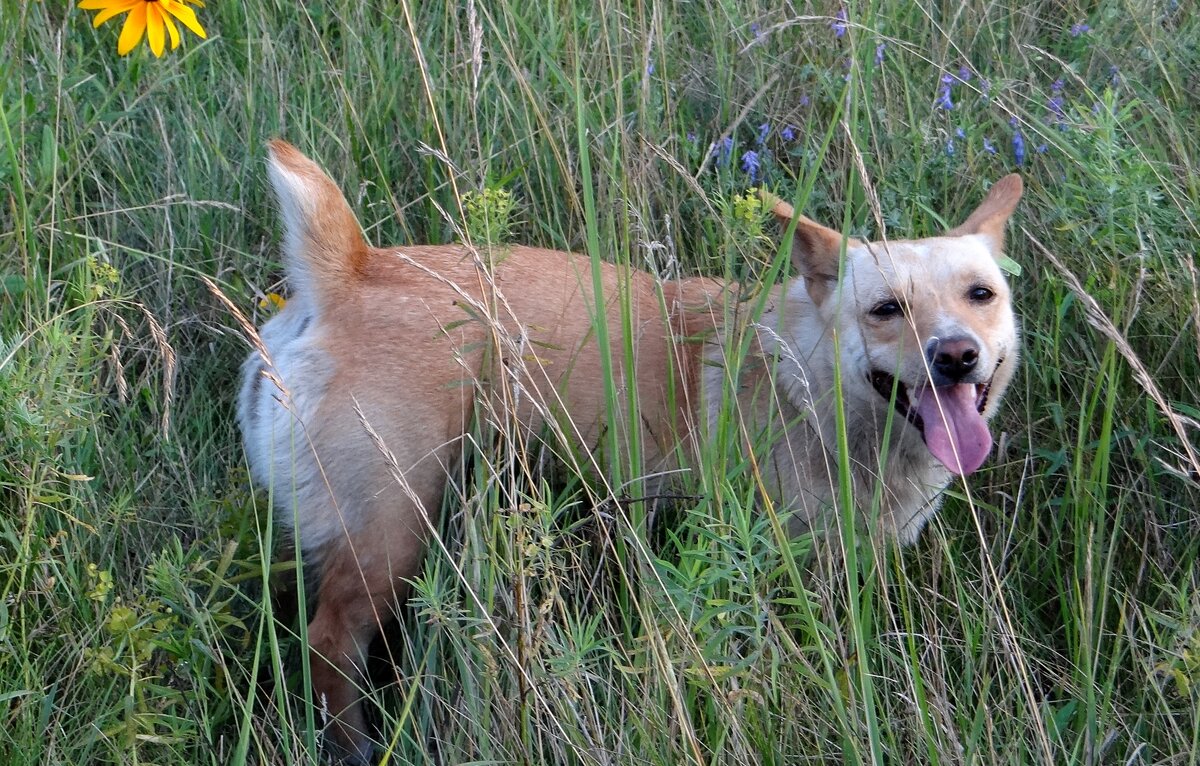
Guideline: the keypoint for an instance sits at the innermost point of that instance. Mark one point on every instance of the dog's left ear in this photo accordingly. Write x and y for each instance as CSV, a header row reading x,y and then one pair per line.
x,y
816,249
993,213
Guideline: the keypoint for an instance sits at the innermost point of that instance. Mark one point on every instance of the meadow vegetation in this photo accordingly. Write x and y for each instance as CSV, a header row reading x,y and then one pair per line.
x,y
148,607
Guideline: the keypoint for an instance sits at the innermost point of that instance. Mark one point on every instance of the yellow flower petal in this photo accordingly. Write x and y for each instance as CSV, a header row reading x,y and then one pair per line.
x,y
154,28
135,27
185,15
148,18
172,30
113,10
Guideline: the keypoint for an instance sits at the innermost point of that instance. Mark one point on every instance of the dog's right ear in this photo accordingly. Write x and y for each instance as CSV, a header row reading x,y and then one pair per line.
x,y
816,249
990,218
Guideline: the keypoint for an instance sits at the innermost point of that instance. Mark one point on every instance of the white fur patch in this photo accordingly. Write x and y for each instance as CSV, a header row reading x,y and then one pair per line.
x,y
273,419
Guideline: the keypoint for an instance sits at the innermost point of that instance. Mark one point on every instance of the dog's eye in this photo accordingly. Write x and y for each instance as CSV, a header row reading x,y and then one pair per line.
x,y
887,310
981,294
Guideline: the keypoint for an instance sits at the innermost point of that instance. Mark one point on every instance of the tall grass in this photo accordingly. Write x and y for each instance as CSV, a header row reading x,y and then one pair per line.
x,y
1049,615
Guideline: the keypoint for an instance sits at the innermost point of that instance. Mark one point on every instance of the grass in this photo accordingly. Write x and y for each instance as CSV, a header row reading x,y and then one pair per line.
x,y
1049,615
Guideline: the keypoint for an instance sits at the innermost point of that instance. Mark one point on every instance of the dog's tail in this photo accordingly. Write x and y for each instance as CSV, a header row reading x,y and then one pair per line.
x,y
323,246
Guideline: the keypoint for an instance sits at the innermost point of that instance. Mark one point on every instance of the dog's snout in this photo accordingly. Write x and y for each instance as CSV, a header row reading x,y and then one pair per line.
x,y
954,358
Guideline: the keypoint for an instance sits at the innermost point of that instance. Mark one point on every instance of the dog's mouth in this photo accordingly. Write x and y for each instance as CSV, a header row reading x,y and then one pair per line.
x,y
949,418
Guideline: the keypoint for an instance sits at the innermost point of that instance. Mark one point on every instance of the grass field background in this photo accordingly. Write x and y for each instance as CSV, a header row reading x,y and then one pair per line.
x,y
1051,617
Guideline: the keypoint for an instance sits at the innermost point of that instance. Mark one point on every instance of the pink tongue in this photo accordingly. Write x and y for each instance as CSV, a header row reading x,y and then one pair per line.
x,y
964,444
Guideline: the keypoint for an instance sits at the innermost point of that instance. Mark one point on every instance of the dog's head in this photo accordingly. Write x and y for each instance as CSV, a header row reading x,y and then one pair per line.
x,y
924,326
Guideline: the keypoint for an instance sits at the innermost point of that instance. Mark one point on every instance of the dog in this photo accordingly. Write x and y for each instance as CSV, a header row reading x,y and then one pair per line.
x,y
356,403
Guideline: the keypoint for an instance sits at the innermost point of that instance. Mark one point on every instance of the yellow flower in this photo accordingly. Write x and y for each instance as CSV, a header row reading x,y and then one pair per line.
x,y
147,17
272,302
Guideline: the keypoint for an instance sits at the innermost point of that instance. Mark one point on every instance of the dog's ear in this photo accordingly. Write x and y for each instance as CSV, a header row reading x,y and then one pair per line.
x,y
816,249
993,213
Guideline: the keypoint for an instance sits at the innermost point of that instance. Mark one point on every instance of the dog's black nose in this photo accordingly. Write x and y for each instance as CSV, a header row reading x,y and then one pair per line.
x,y
954,358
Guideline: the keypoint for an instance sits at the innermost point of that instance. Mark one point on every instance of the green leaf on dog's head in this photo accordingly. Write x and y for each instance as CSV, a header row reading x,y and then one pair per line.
x,y
1009,266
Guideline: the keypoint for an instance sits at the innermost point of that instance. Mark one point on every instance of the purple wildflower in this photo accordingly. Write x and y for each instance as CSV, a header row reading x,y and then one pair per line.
x,y
964,73
1056,101
879,49
723,150
950,148
764,130
985,87
1018,144
1041,149
839,24
804,100
756,30
691,136
788,133
1115,74
943,100
750,164
960,132
988,146
650,69
1080,28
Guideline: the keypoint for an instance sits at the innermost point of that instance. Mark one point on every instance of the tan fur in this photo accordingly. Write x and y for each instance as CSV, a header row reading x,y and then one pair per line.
x,y
417,341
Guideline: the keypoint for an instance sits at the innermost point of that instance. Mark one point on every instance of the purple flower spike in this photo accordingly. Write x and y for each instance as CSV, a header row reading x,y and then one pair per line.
x,y
950,148
1080,29
879,49
1056,108
1041,149
988,146
750,164
723,150
691,136
804,99
1018,143
756,30
839,24
964,73
944,101
960,132
764,130
788,133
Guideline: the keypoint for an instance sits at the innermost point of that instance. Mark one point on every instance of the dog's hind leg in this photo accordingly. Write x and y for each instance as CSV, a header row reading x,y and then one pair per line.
x,y
363,582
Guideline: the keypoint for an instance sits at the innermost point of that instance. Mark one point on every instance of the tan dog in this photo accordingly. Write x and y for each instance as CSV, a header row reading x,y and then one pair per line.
x,y
420,343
